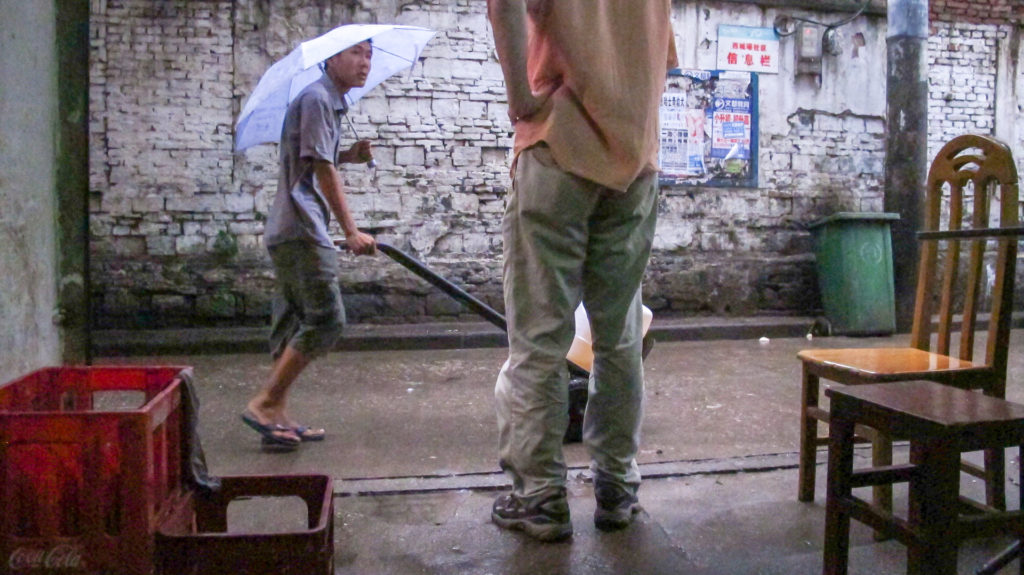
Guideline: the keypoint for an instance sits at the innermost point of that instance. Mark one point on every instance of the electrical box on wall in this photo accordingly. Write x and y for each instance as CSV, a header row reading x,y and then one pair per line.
x,y
808,49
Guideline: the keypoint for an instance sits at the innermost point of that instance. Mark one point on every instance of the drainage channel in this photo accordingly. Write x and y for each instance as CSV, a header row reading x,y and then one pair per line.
x,y
495,480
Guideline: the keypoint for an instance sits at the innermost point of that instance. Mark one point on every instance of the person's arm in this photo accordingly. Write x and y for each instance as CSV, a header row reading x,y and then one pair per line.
x,y
508,21
673,57
334,192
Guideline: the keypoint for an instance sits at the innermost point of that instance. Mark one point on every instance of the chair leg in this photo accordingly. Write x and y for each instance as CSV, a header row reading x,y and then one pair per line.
x,y
838,488
995,464
1020,497
995,478
808,436
933,511
881,495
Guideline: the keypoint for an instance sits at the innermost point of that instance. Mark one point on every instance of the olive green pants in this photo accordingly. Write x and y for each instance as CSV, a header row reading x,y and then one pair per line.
x,y
307,310
567,240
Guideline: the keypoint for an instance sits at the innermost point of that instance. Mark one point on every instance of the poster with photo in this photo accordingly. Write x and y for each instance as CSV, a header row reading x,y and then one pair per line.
x,y
682,137
709,129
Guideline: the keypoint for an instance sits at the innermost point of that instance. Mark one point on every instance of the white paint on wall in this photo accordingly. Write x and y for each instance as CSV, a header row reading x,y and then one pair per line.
x,y
28,114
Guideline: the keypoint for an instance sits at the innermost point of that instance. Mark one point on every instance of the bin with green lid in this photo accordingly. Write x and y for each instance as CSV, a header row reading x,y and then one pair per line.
x,y
854,263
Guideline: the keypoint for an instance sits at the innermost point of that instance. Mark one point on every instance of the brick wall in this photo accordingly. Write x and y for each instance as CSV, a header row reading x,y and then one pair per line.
x,y
164,207
976,11
961,80
177,218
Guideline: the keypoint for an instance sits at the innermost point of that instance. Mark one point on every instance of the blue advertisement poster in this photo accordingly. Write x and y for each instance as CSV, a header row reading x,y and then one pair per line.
x,y
731,121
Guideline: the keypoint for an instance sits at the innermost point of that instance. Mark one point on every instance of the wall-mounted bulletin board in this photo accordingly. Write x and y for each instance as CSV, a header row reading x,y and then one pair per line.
x,y
709,129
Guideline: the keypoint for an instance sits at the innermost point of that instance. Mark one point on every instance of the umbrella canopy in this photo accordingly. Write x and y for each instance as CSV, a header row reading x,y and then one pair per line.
x,y
395,48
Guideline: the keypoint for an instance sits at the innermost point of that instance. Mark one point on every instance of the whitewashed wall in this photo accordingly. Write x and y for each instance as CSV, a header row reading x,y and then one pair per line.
x,y
178,219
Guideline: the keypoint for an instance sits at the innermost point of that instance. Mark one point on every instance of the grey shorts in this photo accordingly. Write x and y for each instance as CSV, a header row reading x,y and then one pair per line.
x,y
308,313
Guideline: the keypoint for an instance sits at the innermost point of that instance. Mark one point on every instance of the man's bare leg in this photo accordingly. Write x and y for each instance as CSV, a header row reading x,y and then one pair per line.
x,y
269,404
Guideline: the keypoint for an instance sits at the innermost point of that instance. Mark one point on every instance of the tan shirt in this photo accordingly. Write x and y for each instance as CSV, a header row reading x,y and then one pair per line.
x,y
603,65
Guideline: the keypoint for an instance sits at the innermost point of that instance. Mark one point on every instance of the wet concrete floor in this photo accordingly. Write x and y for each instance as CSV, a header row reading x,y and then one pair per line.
x,y
411,445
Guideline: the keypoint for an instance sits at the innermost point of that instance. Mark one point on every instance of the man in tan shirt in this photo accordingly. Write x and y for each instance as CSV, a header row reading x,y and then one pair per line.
x,y
584,81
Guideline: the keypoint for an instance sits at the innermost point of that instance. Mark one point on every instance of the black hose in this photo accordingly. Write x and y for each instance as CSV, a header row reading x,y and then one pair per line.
x,y
419,268
487,312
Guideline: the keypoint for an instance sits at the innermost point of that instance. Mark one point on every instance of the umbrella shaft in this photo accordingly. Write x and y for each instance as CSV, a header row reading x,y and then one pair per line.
x,y
372,163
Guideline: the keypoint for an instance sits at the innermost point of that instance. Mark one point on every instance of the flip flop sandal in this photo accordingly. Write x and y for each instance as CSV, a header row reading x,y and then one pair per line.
x,y
306,433
270,433
273,444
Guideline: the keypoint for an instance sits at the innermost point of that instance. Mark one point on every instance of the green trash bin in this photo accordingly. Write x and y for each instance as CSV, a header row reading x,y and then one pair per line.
x,y
854,261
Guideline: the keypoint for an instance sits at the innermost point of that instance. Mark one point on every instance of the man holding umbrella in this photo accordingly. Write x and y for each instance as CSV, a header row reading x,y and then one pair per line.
x,y
308,315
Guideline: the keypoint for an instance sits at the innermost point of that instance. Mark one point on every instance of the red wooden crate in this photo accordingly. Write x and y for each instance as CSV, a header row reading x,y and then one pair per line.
x,y
82,488
196,539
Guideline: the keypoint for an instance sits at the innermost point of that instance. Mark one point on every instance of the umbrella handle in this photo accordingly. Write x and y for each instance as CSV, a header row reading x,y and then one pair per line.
x,y
372,163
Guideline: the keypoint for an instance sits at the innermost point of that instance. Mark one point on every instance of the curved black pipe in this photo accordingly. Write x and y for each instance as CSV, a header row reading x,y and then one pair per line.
x,y
419,268
487,312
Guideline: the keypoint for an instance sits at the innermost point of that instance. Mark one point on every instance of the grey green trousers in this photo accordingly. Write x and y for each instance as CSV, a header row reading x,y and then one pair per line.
x,y
307,310
567,240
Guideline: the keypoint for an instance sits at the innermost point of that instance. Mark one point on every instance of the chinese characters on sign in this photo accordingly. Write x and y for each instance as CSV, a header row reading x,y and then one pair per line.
x,y
748,49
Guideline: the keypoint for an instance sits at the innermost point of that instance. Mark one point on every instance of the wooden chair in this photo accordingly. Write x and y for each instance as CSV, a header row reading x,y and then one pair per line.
x,y
972,178
940,422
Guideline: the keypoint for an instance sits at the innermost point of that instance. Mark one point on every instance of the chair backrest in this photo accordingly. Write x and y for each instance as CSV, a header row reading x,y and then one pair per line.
x,y
972,184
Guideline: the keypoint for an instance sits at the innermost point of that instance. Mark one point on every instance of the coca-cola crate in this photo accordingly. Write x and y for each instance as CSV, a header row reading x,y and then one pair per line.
x,y
197,539
90,460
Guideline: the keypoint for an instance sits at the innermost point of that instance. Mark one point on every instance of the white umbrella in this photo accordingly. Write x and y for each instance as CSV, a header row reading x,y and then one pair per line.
x,y
394,49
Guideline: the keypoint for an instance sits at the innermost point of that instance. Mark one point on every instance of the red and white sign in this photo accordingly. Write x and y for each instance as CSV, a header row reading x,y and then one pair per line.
x,y
748,49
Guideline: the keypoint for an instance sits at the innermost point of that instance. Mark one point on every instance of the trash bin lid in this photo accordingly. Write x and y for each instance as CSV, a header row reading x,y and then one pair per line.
x,y
855,216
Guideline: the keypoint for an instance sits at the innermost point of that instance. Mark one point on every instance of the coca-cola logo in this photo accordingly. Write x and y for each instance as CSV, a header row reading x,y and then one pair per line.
x,y
60,556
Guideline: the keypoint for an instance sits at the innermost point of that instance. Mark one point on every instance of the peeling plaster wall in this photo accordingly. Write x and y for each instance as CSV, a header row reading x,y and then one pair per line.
x,y
177,219
822,144
1015,116
28,104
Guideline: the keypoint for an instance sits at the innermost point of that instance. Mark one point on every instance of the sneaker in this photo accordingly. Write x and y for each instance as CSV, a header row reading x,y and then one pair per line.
x,y
617,505
545,519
